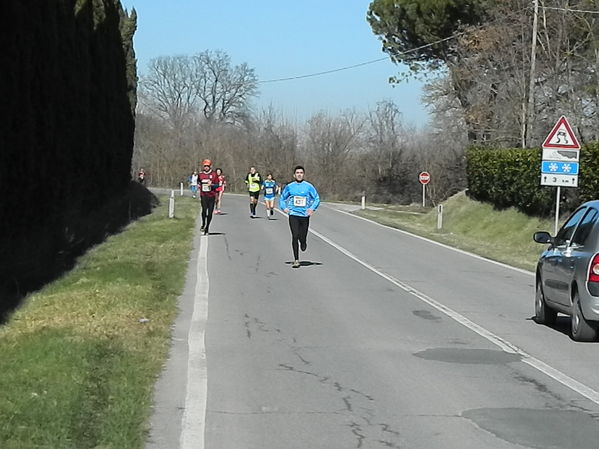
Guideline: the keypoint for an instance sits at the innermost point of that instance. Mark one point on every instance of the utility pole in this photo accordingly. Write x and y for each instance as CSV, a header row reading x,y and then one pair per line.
x,y
530,116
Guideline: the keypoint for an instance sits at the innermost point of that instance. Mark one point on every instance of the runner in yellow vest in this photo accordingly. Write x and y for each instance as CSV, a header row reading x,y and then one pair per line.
x,y
253,181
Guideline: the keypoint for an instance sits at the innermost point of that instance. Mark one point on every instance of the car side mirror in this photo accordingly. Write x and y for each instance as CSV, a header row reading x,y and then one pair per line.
x,y
542,237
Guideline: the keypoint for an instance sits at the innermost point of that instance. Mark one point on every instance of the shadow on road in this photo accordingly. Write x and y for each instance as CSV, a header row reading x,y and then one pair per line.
x,y
563,324
305,263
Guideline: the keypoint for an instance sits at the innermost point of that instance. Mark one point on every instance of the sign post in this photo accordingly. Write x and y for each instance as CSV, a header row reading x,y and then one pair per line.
x,y
424,178
559,166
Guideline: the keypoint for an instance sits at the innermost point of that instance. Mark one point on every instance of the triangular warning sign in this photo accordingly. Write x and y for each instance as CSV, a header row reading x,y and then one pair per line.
x,y
561,136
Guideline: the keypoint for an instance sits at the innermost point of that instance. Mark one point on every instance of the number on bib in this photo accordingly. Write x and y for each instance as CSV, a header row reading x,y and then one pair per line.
x,y
299,201
268,190
206,188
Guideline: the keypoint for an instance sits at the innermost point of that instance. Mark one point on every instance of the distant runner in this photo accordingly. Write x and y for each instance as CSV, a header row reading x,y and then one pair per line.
x,y
271,189
222,183
253,180
141,176
193,183
208,181
299,199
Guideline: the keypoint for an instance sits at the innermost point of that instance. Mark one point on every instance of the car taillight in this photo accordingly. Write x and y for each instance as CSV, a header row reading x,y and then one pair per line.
x,y
594,269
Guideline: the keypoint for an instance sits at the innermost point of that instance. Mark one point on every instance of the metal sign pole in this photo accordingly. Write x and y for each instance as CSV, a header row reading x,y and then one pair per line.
x,y
557,209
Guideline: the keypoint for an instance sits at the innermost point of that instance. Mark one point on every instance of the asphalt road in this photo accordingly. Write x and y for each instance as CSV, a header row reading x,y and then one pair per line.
x,y
380,340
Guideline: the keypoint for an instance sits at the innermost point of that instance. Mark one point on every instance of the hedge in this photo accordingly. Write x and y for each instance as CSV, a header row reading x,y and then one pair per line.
x,y
512,178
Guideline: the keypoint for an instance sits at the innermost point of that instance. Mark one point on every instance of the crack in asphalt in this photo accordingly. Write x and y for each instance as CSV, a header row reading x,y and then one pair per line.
x,y
348,405
258,261
247,323
381,433
227,249
356,429
273,412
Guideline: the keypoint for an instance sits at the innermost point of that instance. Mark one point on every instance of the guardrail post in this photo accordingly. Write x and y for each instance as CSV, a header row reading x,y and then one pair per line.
x,y
171,205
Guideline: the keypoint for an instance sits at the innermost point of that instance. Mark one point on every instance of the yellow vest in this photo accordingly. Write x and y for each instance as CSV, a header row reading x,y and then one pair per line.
x,y
253,182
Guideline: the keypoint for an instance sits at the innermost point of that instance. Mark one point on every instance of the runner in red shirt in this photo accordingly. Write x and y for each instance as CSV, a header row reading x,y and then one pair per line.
x,y
208,183
222,183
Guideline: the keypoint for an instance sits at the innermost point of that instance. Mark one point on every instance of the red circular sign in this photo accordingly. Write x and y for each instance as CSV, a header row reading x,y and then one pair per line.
x,y
424,177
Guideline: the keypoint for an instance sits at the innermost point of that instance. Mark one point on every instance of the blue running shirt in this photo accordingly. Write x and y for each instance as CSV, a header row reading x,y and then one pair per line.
x,y
298,197
270,189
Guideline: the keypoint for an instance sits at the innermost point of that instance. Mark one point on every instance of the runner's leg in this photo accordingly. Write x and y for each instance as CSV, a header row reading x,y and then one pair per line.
x,y
210,200
294,225
303,232
203,200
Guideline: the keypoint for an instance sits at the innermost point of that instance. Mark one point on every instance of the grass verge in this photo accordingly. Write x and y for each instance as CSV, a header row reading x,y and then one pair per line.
x,y
78,366
504,236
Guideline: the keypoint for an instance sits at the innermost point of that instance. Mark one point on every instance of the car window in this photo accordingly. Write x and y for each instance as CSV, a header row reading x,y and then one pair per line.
x,y
565,233
585,226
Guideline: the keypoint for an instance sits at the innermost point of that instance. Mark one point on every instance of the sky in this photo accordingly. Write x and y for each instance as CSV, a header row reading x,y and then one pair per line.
x,y
282,39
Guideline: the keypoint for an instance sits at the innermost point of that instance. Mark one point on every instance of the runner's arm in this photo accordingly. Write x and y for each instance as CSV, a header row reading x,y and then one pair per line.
x,y
315,198
283,199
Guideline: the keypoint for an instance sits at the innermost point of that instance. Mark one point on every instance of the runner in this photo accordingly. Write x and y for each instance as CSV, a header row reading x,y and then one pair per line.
x,y
253,182
299,199
271,188
141,176
208,182
193,183
222,183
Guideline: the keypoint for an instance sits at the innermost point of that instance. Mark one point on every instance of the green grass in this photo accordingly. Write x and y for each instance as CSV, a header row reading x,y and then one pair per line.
x,y
78,367
504,236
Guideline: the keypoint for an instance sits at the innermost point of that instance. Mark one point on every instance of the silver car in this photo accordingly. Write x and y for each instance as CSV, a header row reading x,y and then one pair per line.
x,y
567,277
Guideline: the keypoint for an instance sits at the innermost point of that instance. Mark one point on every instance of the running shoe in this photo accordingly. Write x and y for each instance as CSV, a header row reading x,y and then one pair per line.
x,y
303,246
296,264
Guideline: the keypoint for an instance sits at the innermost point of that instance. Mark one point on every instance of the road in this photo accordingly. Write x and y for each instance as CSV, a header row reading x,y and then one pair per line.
x,y
380,340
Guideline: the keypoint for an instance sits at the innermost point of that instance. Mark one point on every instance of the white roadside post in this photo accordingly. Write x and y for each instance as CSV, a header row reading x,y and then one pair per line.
x,y
559,165
171,205
557,199
424,178
181,189
440,216
363,200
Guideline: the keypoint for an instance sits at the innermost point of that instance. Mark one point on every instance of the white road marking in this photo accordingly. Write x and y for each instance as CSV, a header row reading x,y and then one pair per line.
x,y
476,256
194,416
505,345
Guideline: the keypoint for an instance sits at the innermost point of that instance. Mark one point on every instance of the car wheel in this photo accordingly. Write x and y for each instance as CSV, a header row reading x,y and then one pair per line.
x,y
543,313
582,329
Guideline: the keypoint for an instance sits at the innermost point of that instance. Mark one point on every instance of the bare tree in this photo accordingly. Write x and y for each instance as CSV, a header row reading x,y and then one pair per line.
x,y
223,91
168,89
329,142
384,137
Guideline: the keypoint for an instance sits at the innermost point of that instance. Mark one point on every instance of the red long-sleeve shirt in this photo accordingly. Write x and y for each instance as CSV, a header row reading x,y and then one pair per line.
x,y
207,183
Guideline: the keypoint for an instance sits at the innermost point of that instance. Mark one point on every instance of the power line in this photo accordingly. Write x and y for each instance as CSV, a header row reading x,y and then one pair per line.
x,y
362,63
325,72
555,8
412,50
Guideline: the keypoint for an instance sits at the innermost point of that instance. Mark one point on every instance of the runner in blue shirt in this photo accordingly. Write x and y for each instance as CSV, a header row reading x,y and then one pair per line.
x,y
299,199
271,188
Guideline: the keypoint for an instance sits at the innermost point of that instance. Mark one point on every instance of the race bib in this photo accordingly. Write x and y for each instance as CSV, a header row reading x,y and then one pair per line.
x,y
206,187
253,185
299,201
268,190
